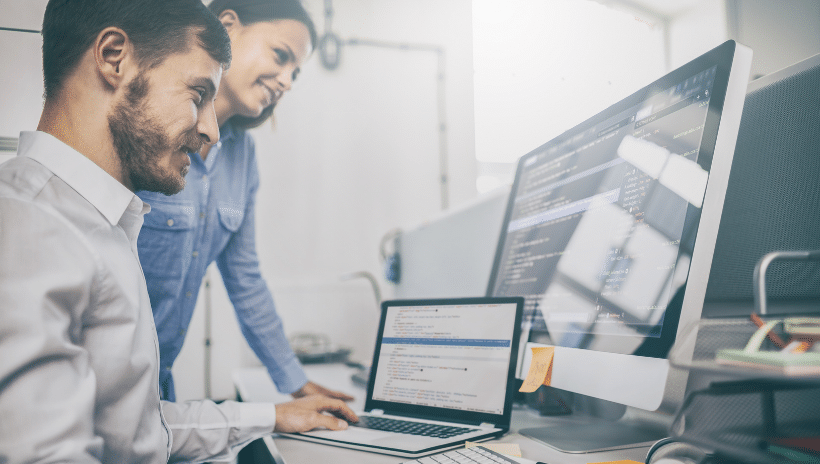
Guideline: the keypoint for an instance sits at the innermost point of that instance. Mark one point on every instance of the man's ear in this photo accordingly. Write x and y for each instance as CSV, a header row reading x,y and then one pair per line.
x,y
113,53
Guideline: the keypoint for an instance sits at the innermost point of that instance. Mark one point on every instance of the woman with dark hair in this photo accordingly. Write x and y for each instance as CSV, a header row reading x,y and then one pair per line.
x,y
213,218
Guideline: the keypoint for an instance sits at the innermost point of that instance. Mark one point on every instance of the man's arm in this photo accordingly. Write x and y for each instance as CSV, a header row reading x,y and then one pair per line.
x,y
47,387
205,431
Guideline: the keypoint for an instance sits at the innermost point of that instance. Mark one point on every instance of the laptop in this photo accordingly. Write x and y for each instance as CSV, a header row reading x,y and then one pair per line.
x,y
442,374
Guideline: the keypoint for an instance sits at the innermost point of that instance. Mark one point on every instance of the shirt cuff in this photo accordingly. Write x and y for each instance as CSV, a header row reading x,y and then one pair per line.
x,y
288,378
257,415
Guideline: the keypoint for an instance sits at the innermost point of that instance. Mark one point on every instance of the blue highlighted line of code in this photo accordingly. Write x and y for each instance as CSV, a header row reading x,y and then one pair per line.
x,y
447,341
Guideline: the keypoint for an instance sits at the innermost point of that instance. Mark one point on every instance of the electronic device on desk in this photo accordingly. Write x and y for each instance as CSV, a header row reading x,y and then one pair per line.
x,y
609,233
361,374
442,373
313,348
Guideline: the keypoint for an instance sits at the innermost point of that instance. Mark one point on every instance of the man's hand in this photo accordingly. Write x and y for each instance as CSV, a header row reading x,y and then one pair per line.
x,y
311,388
306,414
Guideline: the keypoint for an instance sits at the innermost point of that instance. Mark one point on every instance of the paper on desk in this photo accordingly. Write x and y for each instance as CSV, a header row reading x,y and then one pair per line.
x,y
510,449
540,369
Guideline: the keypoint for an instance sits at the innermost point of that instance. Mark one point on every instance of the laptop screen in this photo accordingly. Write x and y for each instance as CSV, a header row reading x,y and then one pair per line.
x,y
451,354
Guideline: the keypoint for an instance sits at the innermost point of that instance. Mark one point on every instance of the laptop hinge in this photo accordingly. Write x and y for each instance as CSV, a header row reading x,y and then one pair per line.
x,y
377,412
486,425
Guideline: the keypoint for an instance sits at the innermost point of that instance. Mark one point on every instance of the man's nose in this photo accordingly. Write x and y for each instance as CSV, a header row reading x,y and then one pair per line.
x,y
207,125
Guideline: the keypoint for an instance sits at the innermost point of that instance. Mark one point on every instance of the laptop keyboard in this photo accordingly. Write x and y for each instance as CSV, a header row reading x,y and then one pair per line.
x,y
410,427
475,455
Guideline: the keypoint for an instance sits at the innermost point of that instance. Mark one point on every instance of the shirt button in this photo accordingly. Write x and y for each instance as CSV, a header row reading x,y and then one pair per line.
x,y
167,368
205,178
188,294
170,222
202,215
195,254
182,331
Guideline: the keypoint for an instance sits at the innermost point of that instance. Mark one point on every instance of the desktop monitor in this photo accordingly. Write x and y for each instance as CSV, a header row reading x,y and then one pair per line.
x,y
610,228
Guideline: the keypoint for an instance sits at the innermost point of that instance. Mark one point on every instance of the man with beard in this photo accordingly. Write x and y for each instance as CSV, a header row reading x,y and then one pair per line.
x,y
130,88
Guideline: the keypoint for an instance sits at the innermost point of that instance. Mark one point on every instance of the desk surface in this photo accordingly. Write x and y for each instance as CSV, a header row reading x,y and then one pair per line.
x,y
254,384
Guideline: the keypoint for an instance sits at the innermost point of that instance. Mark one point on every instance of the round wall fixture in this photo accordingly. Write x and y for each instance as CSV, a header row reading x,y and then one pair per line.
x,y
330,50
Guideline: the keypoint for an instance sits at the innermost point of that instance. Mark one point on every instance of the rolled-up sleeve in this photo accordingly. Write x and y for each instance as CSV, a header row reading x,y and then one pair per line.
x,y
203,430
47,387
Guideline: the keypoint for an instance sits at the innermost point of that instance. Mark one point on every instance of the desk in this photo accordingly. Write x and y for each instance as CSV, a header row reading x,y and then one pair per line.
x,y
254,384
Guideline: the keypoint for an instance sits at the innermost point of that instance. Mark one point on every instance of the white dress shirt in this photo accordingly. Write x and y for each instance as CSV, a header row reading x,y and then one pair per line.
x,y
78,347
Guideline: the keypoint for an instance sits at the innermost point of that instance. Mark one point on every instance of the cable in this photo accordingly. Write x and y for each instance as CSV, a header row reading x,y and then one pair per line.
x,y
373,284
673,450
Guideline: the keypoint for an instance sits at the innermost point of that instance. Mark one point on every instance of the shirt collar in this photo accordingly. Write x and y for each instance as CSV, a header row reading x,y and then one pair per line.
x,y
105,193
227,132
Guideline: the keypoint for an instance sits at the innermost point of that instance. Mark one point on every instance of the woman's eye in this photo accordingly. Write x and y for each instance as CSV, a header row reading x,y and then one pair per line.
x,y
281,56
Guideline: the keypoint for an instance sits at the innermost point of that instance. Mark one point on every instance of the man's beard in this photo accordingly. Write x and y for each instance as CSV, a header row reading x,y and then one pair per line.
x,y
140,141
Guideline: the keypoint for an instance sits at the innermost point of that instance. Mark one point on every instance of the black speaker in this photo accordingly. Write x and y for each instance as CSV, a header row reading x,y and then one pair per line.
x,y
773,199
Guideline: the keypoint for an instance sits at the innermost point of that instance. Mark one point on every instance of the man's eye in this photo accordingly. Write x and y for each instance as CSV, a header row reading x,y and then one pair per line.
x,y
282,56
201,94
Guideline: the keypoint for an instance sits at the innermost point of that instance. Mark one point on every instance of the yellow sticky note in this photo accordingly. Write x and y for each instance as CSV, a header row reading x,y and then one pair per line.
x,y
510,449
540,369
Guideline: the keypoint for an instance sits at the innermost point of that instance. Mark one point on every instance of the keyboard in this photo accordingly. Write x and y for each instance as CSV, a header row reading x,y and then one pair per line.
x,y
410,427
475,455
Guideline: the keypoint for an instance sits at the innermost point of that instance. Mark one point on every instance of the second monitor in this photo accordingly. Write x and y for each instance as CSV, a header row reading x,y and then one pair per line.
x,y
610,228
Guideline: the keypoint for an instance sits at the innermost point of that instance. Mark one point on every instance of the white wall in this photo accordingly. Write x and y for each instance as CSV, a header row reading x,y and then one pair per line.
x,y
22,14
21,99
779,33
354,153
21,68
696,31
543,67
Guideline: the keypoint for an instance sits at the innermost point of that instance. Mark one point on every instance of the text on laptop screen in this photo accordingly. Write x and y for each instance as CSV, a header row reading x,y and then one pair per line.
x,y
452,356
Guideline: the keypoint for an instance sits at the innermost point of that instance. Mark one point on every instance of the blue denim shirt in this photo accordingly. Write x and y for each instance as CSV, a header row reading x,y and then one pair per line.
x,y
213,219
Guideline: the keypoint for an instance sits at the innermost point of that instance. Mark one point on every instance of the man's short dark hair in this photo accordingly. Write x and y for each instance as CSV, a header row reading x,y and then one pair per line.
x,y
157,29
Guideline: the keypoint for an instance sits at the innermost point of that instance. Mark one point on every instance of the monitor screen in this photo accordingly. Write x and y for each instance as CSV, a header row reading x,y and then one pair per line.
x,y
598,239
440,356
603,221
448,357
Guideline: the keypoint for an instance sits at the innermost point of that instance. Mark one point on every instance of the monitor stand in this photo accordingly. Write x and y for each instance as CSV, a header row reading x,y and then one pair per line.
x,y
594,435
573,423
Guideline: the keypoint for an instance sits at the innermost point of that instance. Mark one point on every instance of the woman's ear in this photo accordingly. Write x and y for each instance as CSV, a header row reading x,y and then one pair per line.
x,y
230,20
112,51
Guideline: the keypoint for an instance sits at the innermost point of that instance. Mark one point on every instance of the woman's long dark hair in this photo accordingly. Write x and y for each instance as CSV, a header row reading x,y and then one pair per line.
x,y
255,11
